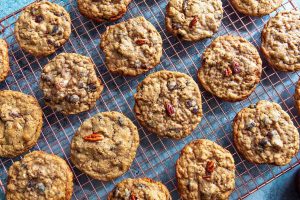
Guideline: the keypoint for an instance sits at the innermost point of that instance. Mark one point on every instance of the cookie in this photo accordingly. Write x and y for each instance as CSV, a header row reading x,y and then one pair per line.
x,y
21,121
193,20
264,133
169,104
254,7
4,60
281,42
141,188
103,10
205,170
231,68
70,83
42,28
40,175
297,96
105,145
131,47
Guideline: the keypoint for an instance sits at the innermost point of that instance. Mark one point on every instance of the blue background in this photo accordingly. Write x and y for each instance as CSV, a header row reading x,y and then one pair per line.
x,y
283,187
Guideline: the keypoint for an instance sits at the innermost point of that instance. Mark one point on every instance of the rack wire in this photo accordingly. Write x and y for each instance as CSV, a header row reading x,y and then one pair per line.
x,y
156,157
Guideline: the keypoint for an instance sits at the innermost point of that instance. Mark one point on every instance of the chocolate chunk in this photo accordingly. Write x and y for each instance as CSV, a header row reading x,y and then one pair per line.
x,y
91,87
263,142
39,18
73,98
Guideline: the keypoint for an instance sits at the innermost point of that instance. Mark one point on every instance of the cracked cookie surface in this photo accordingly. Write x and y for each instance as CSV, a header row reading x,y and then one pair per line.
x,y
256,7
231,68
141,188
21,120
103,10
40,175
70,84
132,47
264,133
4,60
193,20
169,104
42,28
105,145
205,170
281,42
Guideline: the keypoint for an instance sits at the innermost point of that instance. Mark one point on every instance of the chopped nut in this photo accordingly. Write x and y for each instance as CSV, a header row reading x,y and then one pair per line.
x,y
210,166
193,22
170,109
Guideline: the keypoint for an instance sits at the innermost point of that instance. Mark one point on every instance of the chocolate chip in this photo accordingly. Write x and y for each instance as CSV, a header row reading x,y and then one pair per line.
x,y
121,121
73,98
250,125
171,85
39,18
31,183
41,187
55,30
195,110
91,87
176,26
263,142
270,134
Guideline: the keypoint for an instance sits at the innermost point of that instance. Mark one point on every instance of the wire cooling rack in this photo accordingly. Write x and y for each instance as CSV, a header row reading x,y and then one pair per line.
x,y
156,157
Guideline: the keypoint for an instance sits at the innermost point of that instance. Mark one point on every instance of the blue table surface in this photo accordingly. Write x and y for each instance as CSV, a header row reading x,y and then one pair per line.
x,y
281,188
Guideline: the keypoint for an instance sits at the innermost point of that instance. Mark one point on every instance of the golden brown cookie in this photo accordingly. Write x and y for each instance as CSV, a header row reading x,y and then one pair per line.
x,y
105,145
281,42
140,189
42,28
231,68
132,47
205,170
4,60
103,10
70,84
21,121
264,133
40,175
169,104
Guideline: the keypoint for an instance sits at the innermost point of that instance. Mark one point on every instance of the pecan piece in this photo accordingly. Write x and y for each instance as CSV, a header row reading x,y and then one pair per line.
x,y
94,137
193,22
227,72
141,41
170,109
210,166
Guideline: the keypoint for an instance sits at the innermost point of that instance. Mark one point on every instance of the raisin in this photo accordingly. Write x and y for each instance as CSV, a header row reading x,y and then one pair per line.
x,y
210,166
236,67
263,143
270,134
195,110
190,103
170,109
39,18
141,41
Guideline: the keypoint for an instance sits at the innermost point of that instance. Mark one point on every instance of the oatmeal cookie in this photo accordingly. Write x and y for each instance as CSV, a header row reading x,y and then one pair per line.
x,y
105,145
4,60
264,133
193,20
21,121
70,83
103,10
256,7
40,175
231,68
297,96
168,104
205,170
141,189
281,41
131,47
42,28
